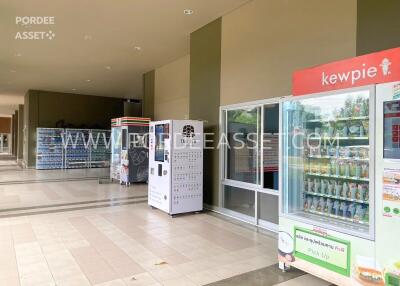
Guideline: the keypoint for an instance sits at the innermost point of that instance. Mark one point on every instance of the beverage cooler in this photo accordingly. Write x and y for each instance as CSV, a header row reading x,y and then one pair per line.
x,y
130,154
340,171
116,145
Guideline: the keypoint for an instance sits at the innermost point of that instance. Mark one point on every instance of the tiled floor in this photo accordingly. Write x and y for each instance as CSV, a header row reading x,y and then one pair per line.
x,y
11,173
130,245
16,196
126,243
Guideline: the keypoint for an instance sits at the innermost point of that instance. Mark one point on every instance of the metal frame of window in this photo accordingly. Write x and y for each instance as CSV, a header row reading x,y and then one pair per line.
x,y
255,187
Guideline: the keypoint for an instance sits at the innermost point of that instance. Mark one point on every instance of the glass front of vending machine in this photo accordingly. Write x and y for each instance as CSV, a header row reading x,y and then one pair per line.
x,y
339,215
328,171
327,211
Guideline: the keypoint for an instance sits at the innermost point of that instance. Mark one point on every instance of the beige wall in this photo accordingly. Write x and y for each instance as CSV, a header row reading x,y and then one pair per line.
x,y
264,41
172,87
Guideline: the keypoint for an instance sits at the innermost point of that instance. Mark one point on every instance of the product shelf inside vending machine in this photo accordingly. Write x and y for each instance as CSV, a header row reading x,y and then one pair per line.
x,y
329,179
339,119
338,177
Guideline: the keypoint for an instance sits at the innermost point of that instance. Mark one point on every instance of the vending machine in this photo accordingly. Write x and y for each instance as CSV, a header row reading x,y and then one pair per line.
x,y
340,171
176,166
116,142
130,154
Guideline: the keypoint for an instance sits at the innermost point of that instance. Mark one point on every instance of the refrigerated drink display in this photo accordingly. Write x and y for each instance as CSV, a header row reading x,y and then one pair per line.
x,y
340,171
129,147
100,151
327,160
116,147
77,148
59,148
49,148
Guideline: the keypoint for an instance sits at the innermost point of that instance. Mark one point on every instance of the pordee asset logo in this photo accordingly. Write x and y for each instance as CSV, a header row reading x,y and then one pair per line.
x,y
357,74
31,22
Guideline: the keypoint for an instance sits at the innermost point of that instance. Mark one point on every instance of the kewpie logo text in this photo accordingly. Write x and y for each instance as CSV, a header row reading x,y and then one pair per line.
x,y
357,74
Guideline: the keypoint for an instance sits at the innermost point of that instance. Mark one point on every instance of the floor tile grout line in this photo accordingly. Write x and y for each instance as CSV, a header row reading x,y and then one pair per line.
x,y
6,183
45,258
72,209
15,254
71,204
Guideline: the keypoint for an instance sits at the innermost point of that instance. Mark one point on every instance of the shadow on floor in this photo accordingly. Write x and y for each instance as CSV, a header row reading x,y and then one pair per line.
x,y
267,276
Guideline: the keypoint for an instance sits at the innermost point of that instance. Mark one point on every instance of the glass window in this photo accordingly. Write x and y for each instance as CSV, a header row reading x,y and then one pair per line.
x,y
326,160
271,147
391,113
239,200
242,151
161,133
268,206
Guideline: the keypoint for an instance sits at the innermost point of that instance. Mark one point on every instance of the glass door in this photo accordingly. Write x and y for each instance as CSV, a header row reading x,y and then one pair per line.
x,y
242,153
328,176
250,162
268,202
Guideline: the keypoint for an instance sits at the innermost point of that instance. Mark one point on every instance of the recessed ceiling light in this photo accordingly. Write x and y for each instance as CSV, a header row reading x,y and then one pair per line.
x,y
88,80
188,12
108,67
74,89
137,48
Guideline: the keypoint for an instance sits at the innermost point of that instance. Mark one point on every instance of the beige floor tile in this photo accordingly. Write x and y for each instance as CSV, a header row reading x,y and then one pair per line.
x,y
203,277
181,281
37,279
165,273
67,272
34,269
117,282
101,277
13,281
143,279
74,281
176,259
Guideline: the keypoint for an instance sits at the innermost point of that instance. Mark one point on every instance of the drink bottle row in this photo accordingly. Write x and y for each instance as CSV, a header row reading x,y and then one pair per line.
x,y
59,148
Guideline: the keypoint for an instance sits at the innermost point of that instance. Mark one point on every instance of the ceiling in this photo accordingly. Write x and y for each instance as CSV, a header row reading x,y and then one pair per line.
x,y
101,47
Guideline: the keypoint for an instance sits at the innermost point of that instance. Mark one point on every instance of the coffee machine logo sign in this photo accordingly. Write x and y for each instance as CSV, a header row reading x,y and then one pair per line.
x,y
188,131
188,135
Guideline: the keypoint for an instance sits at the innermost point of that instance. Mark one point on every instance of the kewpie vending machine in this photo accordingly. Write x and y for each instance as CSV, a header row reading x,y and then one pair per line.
x,y
340,171
176,166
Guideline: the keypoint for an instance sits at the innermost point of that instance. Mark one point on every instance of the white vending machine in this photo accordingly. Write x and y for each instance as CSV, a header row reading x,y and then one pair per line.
x,y
176,166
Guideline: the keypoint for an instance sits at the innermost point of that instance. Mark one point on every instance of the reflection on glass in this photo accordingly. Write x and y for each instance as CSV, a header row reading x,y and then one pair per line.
x,y
271,147
391,113
326,159
116,138
242,138
268,206
161,133
239,200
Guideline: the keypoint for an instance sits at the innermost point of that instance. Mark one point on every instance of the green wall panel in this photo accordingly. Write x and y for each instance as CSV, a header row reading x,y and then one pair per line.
x,y
204,101
148,93
378,25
